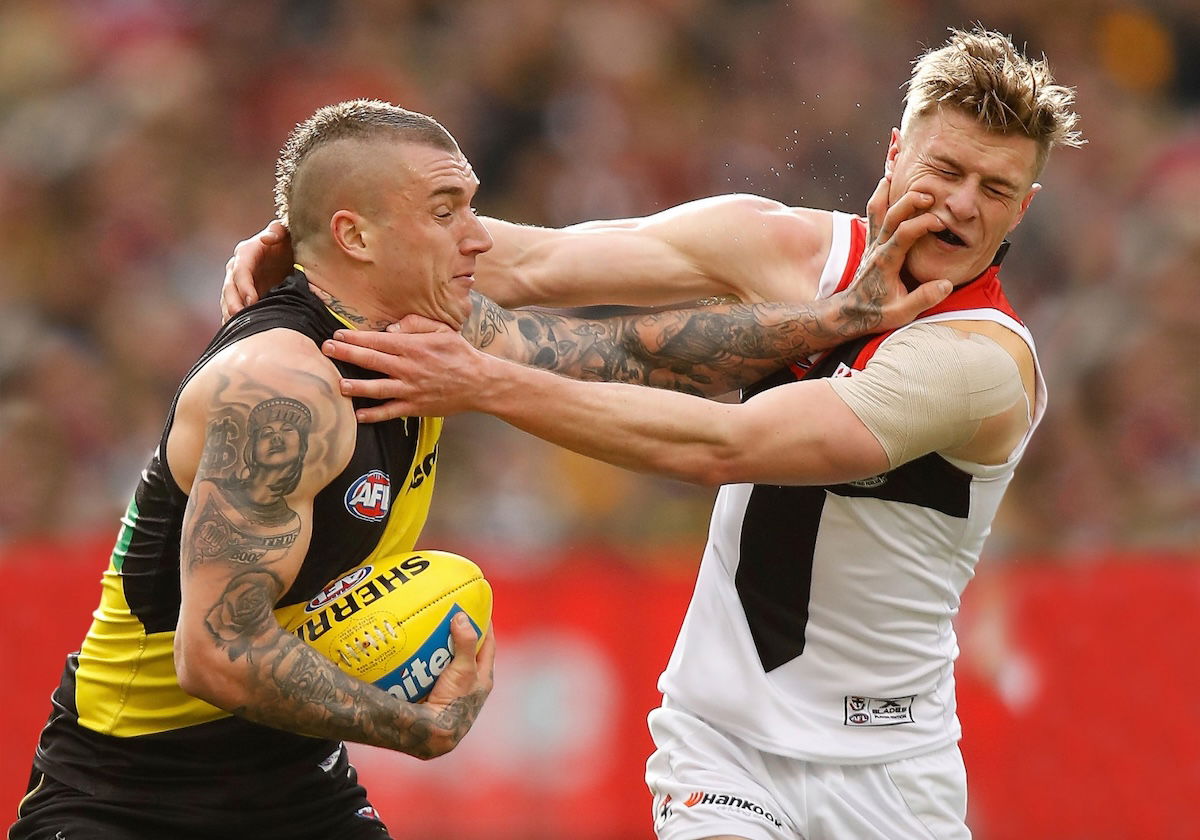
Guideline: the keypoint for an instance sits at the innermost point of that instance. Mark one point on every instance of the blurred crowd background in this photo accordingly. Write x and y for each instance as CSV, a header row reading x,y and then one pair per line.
x,y
137,144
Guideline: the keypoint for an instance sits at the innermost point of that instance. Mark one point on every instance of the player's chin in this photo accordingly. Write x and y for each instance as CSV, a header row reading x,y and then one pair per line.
x,y
456,307
926,265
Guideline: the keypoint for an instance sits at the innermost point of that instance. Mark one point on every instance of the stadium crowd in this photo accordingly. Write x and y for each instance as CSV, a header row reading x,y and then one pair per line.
x,y
136,147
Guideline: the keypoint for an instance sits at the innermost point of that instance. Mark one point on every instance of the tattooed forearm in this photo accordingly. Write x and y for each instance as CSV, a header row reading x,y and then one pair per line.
x,y
297,689
291,686
710,350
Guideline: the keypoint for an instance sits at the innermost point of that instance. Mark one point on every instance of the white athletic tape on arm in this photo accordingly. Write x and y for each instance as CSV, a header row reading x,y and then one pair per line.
x,y
928,387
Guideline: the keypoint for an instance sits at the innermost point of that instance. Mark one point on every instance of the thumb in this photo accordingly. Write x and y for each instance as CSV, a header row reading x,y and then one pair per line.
x,y
464,637
929,294
273,233
459,677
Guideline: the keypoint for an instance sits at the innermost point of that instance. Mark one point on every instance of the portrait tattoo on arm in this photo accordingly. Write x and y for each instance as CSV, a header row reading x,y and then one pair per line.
x,y
239,529
243,515
708,350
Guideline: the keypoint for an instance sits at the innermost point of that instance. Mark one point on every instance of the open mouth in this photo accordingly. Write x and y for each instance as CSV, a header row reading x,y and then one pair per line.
x,y
949,237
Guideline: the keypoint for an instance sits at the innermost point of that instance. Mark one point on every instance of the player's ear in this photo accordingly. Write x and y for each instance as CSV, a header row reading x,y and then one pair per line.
x,y
1025,202
347,230
894,144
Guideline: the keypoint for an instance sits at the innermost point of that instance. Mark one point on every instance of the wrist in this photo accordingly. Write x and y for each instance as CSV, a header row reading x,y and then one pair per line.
x,y
491,383
850,315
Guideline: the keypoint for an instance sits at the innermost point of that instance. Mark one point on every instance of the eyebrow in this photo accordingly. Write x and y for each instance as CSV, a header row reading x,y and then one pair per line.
x,y
987,179
451,191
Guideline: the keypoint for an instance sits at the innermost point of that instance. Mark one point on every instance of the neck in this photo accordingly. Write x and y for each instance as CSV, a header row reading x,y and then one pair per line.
x,y
362,316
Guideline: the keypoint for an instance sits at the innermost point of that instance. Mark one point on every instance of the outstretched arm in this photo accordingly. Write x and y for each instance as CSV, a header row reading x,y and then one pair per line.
x,y
708,350
747,246
684,253
259,431
795,434
932,388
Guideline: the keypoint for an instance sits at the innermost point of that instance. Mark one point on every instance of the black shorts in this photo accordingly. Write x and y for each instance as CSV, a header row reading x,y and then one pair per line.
x,y
324,804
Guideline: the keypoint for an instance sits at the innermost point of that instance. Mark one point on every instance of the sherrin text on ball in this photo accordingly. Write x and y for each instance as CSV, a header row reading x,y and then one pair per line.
x,y
387,621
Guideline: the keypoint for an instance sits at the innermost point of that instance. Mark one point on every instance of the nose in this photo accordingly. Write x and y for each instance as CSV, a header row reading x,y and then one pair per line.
x,y
476,239
962,200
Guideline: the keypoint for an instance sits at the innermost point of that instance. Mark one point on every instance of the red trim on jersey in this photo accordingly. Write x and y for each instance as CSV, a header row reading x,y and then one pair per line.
x,y
858,246
984,292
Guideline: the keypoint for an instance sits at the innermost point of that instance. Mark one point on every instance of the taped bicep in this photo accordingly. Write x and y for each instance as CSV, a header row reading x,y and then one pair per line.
x,y
929,387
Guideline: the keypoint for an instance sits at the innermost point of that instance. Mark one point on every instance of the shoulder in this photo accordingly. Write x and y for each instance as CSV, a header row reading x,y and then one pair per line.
x,y
933,388
278,375
996,337
276,358
948,352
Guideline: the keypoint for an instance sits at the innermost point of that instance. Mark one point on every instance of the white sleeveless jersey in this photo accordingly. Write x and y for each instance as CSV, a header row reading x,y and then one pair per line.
x,y
821,623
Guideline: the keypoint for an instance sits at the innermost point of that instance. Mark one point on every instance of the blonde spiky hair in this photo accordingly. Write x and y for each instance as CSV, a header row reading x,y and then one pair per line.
x,y
981,73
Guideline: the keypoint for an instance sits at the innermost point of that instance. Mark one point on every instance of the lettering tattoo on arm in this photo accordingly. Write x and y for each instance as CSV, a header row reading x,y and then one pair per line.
x,y
707,351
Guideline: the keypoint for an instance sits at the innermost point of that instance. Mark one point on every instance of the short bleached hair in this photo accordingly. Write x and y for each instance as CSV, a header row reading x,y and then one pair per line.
x,y
981,73
355,119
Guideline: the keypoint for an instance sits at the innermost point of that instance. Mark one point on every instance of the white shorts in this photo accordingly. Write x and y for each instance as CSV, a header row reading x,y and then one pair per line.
x,y
706,784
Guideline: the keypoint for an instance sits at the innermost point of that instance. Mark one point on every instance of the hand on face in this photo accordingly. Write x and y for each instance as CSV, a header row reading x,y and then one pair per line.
x,y
879,293
431,370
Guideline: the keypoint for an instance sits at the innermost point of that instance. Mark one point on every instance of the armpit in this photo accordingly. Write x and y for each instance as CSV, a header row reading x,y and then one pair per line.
x,y
929,387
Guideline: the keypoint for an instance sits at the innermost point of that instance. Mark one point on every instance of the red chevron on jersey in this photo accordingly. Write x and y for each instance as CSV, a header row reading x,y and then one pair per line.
x,y
984,292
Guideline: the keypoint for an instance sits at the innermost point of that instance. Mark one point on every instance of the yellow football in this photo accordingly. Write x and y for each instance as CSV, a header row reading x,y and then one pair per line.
x,y
388,621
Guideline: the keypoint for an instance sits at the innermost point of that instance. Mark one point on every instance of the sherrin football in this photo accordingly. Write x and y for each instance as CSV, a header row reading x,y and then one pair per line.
x,y
387,621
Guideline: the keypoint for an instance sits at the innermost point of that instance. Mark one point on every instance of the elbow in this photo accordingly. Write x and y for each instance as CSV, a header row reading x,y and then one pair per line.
x,y
510,286
720,471
711,466
206,674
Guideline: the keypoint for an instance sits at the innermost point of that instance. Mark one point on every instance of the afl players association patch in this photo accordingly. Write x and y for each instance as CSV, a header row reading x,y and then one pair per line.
x,y
369,496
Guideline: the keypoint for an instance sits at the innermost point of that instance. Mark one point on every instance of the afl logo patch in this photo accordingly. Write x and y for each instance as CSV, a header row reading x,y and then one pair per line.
x,y
338,588
369,496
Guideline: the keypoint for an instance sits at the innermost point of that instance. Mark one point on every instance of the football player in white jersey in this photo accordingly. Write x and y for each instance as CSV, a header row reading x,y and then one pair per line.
x,y
810,693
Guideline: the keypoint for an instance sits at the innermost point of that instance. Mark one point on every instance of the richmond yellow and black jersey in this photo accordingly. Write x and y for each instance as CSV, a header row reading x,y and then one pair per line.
x,y
120,721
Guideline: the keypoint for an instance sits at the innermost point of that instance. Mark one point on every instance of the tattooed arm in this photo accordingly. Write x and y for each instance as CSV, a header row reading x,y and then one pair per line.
x,y
704,351
717,349
800,433
258,432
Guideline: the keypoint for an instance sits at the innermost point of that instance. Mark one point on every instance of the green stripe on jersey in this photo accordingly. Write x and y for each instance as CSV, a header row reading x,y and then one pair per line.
x,y
125,536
